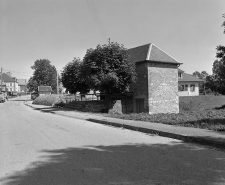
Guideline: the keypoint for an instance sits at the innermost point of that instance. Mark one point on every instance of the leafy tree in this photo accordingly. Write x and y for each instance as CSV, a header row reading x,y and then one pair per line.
x,y
32,85
72,79
196,74
44,74
108,68
201,75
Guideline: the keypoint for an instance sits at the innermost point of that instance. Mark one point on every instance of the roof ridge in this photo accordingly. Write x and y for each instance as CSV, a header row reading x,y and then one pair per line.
x,y
149,51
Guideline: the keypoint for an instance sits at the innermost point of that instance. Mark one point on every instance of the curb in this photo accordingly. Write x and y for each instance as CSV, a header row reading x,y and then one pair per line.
x,y
190,139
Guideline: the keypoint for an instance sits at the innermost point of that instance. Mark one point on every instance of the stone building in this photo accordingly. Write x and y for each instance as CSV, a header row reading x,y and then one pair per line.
x,y
156,87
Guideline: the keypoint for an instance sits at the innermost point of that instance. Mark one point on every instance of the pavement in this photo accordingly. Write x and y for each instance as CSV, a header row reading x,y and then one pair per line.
x,y
187,134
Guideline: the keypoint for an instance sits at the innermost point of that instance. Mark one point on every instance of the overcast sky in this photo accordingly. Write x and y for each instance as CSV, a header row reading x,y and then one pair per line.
x,y
59,30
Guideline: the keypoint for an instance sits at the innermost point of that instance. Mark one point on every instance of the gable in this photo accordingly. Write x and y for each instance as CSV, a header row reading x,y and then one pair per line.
x,y
22,81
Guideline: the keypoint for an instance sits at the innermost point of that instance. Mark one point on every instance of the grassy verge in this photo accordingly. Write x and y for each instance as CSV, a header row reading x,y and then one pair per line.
x,y
206,112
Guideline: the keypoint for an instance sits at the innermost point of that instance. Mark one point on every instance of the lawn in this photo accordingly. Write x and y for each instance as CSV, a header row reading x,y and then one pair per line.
x,y
206,112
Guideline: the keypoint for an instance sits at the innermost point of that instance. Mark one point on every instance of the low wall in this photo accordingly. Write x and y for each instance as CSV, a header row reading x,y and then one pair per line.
x,y
125,105
87,106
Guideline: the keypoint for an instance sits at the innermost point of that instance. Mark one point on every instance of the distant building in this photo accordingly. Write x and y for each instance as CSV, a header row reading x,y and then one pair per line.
x,y
22,83
43,90
188,84
11,84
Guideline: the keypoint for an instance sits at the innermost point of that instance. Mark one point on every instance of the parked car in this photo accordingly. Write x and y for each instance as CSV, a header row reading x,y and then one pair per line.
x,y
2,97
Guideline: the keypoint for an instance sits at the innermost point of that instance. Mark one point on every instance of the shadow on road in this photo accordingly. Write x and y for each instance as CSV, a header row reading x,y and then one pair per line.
x,y
125,164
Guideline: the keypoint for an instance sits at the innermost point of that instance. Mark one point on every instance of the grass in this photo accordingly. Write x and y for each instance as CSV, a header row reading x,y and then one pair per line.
x,y
207,112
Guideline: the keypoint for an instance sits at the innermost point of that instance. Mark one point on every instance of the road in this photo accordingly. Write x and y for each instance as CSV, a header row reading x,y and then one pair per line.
x,y
39,148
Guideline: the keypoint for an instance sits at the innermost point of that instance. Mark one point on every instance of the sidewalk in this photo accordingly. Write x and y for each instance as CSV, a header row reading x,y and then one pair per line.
x,y
187,134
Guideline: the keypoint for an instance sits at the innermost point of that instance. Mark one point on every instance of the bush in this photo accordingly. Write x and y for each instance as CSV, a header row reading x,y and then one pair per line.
x,y
49,100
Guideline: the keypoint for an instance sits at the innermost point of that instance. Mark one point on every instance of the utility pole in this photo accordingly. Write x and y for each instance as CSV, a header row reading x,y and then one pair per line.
x,y
1,78
109,41
57,82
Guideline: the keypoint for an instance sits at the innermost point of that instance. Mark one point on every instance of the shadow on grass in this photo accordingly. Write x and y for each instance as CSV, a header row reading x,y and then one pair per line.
x,y
216,124
222,107
167,164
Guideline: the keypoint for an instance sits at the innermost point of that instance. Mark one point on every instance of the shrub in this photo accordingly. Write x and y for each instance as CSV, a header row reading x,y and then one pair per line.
x,y
49,100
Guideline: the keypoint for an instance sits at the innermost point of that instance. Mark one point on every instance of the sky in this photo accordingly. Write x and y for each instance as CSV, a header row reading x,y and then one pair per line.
x,y
59,30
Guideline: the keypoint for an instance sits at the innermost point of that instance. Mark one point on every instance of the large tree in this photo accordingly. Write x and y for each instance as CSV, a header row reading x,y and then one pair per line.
x,y
44,74
109,69
72,79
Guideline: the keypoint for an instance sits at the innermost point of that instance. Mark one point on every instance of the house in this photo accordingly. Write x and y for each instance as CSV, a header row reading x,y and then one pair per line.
x,y
22,83
188,84
156,87
2,87
43,90
11,84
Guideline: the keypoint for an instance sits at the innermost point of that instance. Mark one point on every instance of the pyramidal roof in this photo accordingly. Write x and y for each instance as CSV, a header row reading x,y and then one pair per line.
x,y
150,52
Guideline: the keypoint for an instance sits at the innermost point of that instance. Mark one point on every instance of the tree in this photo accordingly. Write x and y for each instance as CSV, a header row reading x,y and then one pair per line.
x,y
32,85
109,69
44,74
217,80
201,75
72,79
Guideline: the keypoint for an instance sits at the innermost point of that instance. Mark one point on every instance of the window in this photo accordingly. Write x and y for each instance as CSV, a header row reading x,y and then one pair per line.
x,y
179,75
183,87
192,87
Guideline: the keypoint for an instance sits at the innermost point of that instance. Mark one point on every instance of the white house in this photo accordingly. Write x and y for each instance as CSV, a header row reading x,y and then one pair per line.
x,y
188,84
10,83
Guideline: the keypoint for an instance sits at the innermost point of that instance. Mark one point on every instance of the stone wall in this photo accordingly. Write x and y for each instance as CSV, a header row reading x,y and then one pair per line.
x,y
163,88
87,106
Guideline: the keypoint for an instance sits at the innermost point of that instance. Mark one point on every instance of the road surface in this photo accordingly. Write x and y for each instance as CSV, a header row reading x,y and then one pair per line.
x,y
39,148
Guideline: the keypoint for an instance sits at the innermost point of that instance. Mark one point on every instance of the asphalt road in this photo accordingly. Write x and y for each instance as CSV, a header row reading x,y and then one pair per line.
x,y
39,148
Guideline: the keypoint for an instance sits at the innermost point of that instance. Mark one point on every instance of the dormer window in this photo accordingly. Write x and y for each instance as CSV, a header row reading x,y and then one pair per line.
x,y
179,75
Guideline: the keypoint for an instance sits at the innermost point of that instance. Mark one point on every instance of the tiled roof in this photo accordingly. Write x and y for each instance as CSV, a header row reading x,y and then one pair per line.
x,y
7,78
45,88
22,81
188,78
150,52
